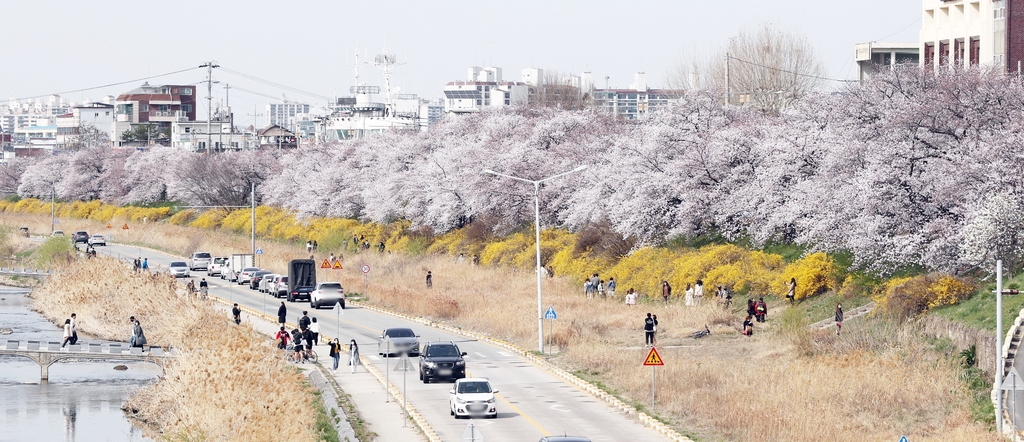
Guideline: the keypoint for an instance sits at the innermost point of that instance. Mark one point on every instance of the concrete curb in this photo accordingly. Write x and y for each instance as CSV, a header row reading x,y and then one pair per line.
x,y
581,384
330,400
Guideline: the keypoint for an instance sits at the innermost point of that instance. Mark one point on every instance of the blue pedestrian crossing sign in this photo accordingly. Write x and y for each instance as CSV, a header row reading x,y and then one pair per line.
x,y
550,314
259,251
903,439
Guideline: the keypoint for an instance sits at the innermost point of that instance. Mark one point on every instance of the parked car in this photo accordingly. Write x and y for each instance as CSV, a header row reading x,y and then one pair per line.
x,y
281,286
472,397
254,282
179,269
327,294
97,240
267,282
80,236
217,266
57,233
246,275
299,293
403,340
441,360
199,261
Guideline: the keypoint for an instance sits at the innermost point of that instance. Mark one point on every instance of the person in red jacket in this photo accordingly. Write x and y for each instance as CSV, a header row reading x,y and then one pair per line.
x,y
761,309
283,337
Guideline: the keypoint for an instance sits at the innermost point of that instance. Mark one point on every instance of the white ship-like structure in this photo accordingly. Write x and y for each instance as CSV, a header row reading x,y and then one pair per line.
x,y
359,115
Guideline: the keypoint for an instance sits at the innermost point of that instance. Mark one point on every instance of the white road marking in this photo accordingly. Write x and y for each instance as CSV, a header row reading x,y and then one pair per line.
x,y
507,355
479,354
374,357
556,408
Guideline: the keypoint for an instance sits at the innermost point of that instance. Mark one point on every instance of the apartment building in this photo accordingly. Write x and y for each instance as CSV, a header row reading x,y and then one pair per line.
x,y
483,88
636,100
972,33
153,105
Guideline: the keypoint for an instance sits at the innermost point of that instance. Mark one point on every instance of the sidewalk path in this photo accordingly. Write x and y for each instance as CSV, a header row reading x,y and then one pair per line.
x,y
856,312
383,418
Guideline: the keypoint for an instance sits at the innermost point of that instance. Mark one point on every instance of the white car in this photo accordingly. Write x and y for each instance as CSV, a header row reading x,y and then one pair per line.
x,y
472,397
246,274
280,286
327,294
97,240
217,266
200,261
178,269
266,284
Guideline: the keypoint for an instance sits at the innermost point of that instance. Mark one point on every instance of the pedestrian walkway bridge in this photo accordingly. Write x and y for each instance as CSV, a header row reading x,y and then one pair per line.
x,y
46,353
32,273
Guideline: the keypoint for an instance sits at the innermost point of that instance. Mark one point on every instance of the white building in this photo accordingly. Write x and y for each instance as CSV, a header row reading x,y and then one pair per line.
x,y
98,115
286,114
484,88
966,33
874,56
193,135
431,111
635,101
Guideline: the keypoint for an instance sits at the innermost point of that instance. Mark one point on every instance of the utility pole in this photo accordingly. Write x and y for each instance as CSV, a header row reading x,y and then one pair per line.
x,y
728,85
231,115
209,100
255,125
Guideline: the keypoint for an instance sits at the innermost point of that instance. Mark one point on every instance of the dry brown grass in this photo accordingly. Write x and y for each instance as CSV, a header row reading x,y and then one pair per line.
x,y
227,384
785,385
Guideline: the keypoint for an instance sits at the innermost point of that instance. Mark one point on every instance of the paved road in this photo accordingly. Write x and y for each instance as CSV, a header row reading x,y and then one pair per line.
x,y
532,403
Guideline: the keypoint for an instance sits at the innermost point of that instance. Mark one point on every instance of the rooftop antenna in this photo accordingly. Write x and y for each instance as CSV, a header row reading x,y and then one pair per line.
x,y
385,61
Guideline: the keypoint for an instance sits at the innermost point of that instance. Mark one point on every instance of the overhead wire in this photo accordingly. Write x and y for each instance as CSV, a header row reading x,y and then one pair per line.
x,y
274,84
111,84
789,71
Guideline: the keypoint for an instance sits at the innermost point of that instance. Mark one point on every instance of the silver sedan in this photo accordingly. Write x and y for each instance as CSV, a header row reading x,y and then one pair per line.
x,y
398,341
178,269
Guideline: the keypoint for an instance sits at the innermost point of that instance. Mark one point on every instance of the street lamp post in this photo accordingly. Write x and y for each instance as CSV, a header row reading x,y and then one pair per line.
x,y
536,214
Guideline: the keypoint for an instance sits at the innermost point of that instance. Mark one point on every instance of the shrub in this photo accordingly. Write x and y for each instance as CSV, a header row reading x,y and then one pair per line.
x,y
54,251
908,297
814,274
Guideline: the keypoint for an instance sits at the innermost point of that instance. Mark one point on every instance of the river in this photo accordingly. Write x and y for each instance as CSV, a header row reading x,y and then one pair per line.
x,y
81,401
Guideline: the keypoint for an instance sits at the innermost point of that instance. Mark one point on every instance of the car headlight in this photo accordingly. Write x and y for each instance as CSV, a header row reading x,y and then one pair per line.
x,y
459,400
430,364
460,363
490,401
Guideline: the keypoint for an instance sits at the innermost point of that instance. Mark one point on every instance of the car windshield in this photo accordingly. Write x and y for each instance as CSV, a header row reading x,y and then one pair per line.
x,y
284,279
442,351
203,255
475,387
178,264
97,236
399,333
262,273
250,269
220,260
330,285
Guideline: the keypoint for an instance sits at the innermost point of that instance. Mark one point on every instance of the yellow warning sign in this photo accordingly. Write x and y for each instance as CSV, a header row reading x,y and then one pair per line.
x,y
653,358
337,265
125,226
325,264
108,225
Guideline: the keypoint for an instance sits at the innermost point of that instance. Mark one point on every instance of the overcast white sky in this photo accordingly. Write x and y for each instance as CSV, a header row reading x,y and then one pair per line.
x,y
63,45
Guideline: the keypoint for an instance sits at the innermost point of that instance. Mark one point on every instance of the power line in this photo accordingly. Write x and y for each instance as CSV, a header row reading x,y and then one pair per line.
x,y
111,84
901,30
242,89
277,85
789,72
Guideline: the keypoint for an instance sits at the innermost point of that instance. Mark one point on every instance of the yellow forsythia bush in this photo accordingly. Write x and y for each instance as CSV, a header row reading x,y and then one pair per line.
x,y
814,274
209,219
906,297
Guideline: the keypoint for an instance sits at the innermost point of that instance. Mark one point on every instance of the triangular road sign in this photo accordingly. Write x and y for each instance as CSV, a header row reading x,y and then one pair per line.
x,y
404,365
108,225
325,264
1012,381
125,226
653,358
337,265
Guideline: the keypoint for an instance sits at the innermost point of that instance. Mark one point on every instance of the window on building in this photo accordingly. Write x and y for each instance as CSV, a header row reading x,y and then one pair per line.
x,y
974,51
943,53
144,107
958,52
186,91
929,54
186,108
164,108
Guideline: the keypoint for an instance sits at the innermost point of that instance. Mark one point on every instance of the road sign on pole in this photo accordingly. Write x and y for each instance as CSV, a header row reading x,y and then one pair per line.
x,y
259,251
325,264
550,314
366,268
125,226
108,225
405,367
337,265
653,360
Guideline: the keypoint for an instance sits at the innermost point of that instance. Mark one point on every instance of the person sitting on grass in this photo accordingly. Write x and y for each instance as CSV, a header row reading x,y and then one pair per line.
x,y
748,327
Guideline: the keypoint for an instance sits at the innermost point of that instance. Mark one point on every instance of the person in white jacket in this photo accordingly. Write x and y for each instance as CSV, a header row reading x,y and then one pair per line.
x,y
67,333
698,292
689,295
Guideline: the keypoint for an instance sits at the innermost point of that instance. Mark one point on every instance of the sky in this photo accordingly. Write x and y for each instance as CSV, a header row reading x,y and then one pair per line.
x,y
64,46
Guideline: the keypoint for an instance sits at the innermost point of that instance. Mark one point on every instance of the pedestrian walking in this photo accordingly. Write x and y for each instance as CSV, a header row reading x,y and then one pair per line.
x,y
611,287
309,246
751,307
630,298
316,246
839,318
698,292
761,309
137,264
304,321
666,291
462,258
315,328
67,333
145,264
791,294
689,295
335,353
594,281
430,280
588,288
237,314
600,289
74,329
353,355
282,314
649,331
